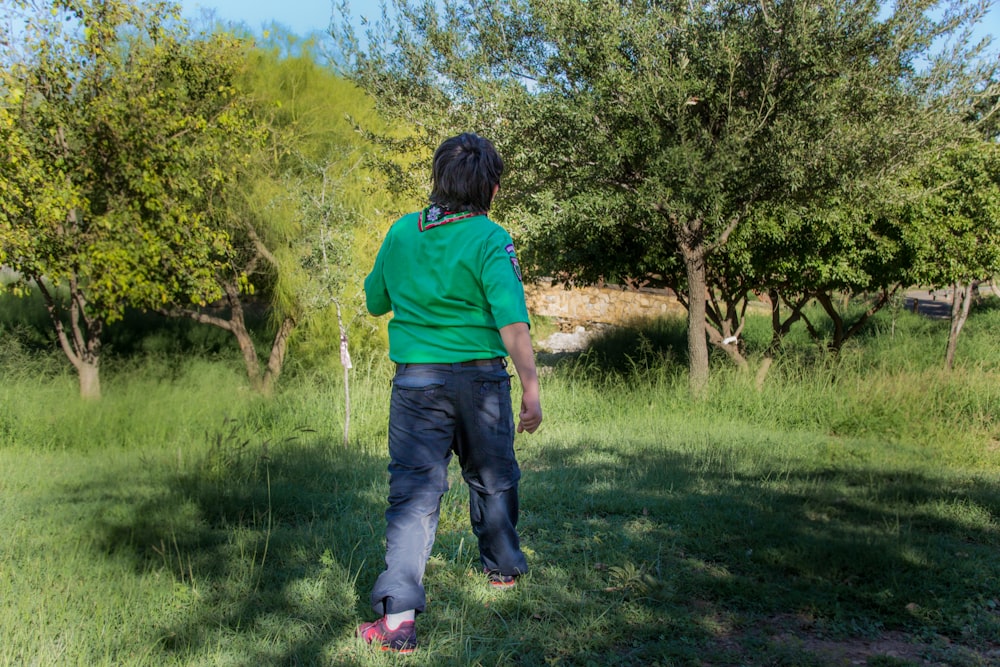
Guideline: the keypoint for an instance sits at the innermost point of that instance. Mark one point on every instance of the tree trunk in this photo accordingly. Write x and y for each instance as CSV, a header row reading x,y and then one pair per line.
x,y
779,328
724,319
237,325
81,341
729,344
762,371
841,331
962,300
90,380
260,381
694,265
249,352
277,359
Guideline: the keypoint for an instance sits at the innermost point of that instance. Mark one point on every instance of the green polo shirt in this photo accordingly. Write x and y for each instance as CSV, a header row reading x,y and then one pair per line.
x,y
451,281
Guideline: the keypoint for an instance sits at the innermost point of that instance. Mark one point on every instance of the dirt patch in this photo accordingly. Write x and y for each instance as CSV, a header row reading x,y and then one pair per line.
x,y
792,635
895,645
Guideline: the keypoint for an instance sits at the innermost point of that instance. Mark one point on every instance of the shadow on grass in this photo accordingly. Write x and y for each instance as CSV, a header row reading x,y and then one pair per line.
x,y
659,556
267,542
629,349
658,344
139,333
639,556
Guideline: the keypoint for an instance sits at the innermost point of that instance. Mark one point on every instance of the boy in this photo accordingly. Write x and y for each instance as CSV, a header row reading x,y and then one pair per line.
x,y
451,278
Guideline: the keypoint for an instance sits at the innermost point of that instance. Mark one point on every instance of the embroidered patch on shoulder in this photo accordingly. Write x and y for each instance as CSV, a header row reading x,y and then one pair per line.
x,y
513,261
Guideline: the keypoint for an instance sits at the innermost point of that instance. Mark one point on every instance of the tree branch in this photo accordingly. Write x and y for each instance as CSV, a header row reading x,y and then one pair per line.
x,y
197,316
262,249
54,315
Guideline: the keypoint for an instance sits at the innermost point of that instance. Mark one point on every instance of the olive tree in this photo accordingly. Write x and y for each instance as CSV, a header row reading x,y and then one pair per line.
x,y
643,135
954,229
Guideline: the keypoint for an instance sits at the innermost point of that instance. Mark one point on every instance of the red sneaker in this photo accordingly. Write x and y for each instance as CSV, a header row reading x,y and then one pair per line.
x,y
401,640
498,580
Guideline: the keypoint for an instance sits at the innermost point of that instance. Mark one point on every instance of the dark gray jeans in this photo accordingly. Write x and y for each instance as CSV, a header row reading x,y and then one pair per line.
x,y
438,410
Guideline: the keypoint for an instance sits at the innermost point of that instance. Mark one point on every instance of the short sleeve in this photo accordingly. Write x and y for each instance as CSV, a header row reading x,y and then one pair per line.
x,y
376,293
502,280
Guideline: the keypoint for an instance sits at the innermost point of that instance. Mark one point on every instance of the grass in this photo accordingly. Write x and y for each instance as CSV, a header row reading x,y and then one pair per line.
x,y
847,513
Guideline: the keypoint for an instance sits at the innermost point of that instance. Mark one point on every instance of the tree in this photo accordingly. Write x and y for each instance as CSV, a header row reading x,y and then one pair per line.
x,y
954,225
824,252
125,123
300,204
642,135
853,240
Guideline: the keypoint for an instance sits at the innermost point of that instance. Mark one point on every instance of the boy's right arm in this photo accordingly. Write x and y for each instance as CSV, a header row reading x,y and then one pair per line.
x,y
517,340
376,294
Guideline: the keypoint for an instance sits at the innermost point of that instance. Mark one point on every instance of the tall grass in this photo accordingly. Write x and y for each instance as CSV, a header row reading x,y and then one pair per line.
x,y
183,520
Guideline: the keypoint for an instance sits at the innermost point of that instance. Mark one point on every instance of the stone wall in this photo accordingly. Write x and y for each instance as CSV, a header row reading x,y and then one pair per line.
x,y
606,305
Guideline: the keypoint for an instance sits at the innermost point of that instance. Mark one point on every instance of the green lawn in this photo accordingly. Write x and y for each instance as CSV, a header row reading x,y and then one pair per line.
x,y
847,513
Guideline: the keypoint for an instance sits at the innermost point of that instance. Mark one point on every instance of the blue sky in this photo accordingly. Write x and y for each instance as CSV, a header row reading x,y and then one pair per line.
x,y
302,17
306,16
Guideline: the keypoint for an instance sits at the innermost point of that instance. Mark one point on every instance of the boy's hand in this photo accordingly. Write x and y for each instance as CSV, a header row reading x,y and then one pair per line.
x,y
517,340
530,417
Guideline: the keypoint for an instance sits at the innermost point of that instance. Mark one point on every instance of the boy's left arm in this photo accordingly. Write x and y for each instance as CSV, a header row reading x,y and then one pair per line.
x,y
517,340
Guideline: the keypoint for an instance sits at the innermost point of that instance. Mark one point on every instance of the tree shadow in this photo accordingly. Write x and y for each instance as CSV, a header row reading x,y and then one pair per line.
x,y
138,334
267,543
675,552
639,555
632,348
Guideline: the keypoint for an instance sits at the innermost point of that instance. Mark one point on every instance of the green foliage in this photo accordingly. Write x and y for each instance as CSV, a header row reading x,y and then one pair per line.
x,y
302,213
134,119
122,126
954,215
159,169
313,199
718,148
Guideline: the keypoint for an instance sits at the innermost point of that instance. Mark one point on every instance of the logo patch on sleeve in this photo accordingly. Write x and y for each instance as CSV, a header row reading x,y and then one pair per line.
x,y
513,261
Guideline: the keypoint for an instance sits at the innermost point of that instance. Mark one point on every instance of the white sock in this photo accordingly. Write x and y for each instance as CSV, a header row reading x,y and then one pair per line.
x,y
392,621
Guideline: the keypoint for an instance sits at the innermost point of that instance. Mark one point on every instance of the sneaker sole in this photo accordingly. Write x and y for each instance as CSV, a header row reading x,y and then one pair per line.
x,y
401,651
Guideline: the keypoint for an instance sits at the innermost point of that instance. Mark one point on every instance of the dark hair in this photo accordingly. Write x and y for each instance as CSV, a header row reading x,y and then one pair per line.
x,y
466,168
